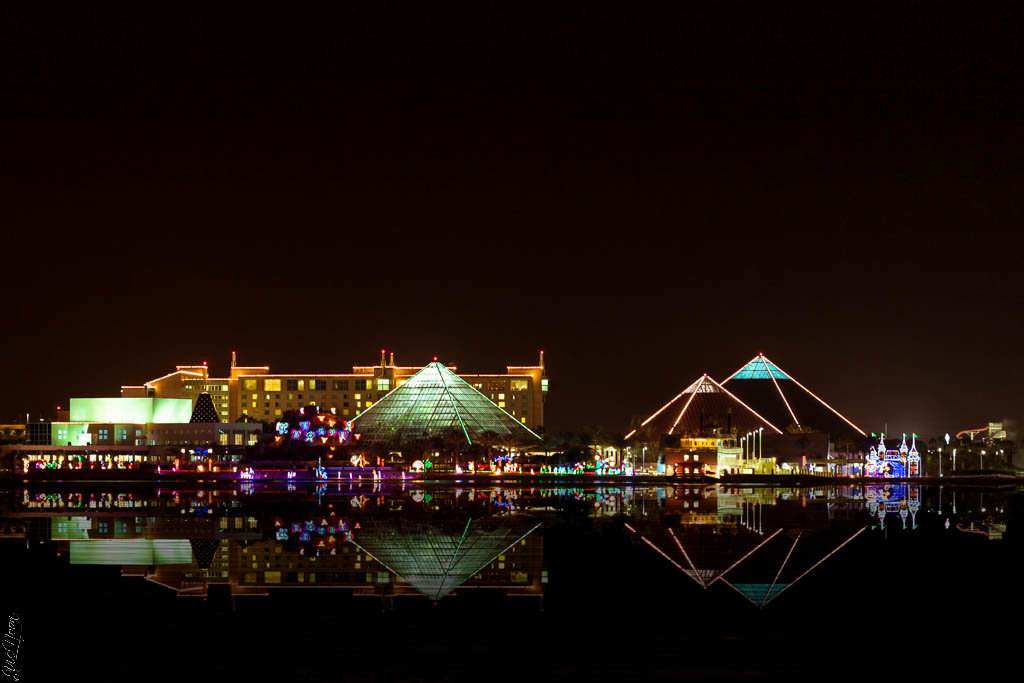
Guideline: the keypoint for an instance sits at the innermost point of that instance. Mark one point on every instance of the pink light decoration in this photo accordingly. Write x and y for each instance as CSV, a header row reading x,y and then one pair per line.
x,y
778,389
841,416
696,574
838,548
696,389
751,552
736,398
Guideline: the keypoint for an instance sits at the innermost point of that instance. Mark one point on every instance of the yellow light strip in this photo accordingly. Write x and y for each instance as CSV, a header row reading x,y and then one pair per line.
x,y
172,374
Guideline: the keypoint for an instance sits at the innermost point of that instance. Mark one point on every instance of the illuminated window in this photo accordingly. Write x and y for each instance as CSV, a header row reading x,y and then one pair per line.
x,y
501,396
359,404
223,439
223,387
696,457
501,404
345,411
368,404
523,420
238,438
358,396
302,384
271,385
520,385
384,384
543,385
277,412
249,384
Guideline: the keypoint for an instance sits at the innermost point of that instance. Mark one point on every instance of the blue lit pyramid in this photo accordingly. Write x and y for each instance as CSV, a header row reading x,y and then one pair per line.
x,y
437,558
433,403
784,401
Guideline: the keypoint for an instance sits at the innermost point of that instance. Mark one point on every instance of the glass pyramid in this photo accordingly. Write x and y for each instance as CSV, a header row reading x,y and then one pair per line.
x,y
758,368
432,403
437,560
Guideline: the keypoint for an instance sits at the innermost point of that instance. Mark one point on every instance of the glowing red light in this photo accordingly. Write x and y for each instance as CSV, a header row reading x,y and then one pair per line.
x,y
435,357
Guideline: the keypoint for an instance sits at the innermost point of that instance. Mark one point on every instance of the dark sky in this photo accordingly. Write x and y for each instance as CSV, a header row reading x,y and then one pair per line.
x,y
644,195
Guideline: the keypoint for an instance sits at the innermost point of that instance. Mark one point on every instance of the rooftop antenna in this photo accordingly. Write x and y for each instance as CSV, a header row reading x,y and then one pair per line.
x,y
542,358
392,361
234,359
382,357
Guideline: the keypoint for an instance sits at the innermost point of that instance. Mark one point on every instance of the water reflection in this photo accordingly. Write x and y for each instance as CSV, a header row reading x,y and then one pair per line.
x,y
388,542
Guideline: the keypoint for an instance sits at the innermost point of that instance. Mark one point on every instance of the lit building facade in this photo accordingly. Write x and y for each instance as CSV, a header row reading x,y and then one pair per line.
x,y
254,392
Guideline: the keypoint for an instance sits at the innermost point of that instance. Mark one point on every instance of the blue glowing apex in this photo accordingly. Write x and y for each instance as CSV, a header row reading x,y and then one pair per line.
x,y
760,368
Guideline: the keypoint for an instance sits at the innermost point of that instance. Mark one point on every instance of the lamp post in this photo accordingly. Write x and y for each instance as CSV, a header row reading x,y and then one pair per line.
x,y
954,460
940,461
981,460
645,459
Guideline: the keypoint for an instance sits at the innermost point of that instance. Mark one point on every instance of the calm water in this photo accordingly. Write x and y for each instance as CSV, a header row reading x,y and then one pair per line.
x,y
444,582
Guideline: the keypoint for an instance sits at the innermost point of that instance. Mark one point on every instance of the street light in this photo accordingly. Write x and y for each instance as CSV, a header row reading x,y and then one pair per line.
x,y
981,460
645,460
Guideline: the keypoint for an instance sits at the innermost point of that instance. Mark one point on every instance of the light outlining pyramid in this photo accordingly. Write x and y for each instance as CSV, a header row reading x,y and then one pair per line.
x,y
707,553
794,567
436,560
432,403
704,404
778,396
703,552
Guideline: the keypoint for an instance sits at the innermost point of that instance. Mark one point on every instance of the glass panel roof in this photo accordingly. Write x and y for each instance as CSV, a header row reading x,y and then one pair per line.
x,y
756,369
434,403
437,560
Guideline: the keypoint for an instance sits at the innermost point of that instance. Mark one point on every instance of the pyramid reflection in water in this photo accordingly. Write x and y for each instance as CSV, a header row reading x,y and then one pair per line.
x,y
438,558
759,567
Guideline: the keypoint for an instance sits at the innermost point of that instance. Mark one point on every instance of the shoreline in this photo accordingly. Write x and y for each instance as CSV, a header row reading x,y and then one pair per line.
x,y
366,477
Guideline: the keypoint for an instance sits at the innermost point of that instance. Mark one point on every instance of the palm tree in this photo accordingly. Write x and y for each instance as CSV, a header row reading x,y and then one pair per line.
x,y
455,442
508,442
487,439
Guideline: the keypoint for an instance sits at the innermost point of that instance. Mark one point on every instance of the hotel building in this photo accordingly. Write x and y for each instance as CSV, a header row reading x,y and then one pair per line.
x,y
254,392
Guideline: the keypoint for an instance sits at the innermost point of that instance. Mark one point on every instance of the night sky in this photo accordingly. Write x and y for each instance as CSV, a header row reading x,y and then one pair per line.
x,y
645,196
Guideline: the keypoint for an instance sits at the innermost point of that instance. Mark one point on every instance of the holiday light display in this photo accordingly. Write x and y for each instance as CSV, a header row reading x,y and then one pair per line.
x,y
893,463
